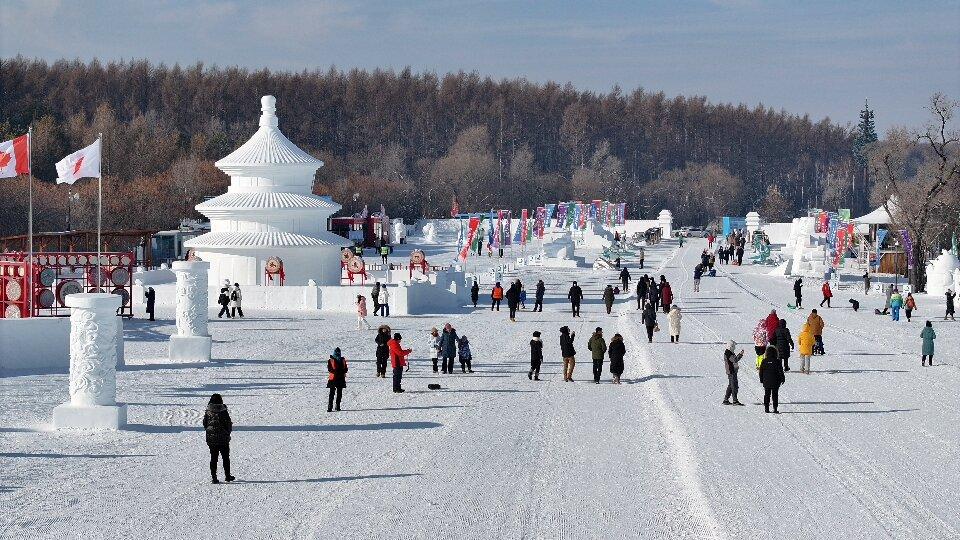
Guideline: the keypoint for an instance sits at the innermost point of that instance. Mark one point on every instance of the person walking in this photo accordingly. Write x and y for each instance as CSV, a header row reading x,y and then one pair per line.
x,y
866,282
475,293
772,322
950,308
771,377
608,298
625,279
336,379
538,296
616,352
642,285
375,298
575,295
398,361
653,294
496,296
827,293
362,313
816,328
568,353
448,348
697,274
798,292
666,294
649,319
598,348
641,255
673,320
435,348
909,305
383,351
513,300
523,297
783,341
731,364
896,302
466,357
384,297
889,294
928,336
236,301
217,427
740,254
760,340
150,296
536,357
805,343
224,301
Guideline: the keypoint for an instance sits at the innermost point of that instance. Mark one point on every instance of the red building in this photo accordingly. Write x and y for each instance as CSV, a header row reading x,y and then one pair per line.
x,y
371,231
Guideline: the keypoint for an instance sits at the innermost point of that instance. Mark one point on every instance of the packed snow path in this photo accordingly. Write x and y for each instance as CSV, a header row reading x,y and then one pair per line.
x,y
866,446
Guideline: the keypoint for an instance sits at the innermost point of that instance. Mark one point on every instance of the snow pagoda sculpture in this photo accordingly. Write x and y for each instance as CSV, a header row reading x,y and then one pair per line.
x,y
269,212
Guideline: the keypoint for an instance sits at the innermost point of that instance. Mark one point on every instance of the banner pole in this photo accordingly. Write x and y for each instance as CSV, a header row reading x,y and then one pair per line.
x,y
30,222
99,208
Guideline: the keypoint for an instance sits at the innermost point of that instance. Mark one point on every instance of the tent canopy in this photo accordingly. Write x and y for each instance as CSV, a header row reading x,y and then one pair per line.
x,y
878,216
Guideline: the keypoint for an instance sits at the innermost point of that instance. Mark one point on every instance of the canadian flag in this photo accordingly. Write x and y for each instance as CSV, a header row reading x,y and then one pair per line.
x,y
80,164
13,157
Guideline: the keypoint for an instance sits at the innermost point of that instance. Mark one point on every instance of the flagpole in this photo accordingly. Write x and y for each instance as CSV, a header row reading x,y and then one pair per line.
x,y
30,290
99,208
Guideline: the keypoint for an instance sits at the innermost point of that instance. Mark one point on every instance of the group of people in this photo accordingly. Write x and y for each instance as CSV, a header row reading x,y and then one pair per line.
x,y
657,295
515,295
447,346
598,347
230,301
381,305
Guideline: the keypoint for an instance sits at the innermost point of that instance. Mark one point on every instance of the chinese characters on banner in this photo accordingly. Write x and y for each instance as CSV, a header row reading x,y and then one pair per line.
x,y
541,218
523,226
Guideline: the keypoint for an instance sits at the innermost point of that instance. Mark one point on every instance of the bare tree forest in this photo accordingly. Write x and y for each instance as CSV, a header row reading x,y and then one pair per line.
x,y
410,141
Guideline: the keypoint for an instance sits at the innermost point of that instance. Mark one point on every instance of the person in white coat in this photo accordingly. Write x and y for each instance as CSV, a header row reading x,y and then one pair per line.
x,y
236,301
383,297
674,318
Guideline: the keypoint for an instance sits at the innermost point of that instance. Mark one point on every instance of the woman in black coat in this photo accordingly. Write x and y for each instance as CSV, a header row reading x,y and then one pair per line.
x,y
475,293
650,320
616,351
218,426
771,376
336,378
536,357
784,343
383,352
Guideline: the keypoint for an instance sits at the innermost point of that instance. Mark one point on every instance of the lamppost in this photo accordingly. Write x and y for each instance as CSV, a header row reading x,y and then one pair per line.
x,y
71,196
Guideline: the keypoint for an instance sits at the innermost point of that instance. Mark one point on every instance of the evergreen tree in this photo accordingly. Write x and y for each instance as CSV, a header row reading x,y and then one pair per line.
x,y
866,135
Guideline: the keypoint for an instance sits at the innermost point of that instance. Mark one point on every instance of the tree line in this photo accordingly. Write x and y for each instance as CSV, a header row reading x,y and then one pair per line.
x,y
413,142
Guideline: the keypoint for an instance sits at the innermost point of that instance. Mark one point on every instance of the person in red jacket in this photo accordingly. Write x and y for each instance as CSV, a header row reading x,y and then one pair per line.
x,y
827,294
398,360
666,294
771,323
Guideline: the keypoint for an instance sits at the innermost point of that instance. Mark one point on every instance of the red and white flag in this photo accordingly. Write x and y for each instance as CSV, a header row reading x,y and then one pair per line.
x,y
14,158
80,164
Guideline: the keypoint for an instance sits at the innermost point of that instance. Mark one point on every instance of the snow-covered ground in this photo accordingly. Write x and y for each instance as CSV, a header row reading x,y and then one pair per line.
x,y
866,447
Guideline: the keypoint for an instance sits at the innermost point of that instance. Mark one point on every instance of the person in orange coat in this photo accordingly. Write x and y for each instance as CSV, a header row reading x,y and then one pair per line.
x,y
827,294
398,360
496,295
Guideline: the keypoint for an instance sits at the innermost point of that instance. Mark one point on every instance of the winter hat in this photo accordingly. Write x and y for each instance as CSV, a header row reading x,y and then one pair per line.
x,y
434,330
447,327
599,330
337,354
216,399
731,345
564,329
397,336
536,334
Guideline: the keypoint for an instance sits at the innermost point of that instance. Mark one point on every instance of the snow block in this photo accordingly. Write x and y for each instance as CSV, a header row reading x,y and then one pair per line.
x,y
96,417
190,349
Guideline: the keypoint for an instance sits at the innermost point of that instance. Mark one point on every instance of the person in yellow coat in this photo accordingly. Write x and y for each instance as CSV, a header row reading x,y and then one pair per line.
x,y
805,344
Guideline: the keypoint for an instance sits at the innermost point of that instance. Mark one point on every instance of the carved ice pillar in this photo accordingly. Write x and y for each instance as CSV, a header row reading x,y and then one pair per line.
x,y
753,223
94,326
665,221
192,342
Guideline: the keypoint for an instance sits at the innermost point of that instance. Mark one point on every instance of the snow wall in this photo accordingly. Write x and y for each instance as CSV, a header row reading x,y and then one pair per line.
x,y
39,345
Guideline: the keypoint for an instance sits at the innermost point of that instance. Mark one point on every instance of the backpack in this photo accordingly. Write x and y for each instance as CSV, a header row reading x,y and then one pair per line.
x,y
234,296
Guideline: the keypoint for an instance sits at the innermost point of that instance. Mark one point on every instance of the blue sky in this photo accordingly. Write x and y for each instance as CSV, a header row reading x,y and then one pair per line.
x,y
807,57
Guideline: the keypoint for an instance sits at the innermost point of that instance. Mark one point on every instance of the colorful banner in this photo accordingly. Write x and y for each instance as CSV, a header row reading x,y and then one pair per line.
x,y
844,214
595,210
506,230
547,216
530,229
841,242
823,222
881,235
471,232
490,232
497,230
541,218
561,214
571,208
577,210
908,247
622,213
522,229
584,211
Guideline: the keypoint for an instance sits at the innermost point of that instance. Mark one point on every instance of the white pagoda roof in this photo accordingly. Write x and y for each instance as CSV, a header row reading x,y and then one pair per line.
x,y
268,146
262,200
264,239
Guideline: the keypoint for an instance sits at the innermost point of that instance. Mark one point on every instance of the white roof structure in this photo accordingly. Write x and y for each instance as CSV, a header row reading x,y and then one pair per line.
x,y
878,216
269,210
